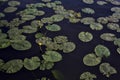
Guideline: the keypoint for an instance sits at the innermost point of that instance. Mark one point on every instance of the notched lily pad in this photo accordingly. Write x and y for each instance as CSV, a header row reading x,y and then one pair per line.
x,y
60,39
52,56
88,1
53,27
108,36
117,42
13,3
88,10
28,17
96,26
87,76
29,29
32,64
12,66
10,9
101,51
107,69
21,45
85,36
91,60
4,43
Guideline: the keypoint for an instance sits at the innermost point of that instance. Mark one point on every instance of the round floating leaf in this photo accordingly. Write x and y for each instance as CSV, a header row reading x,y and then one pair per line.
x,y
52,46
13,3
10,9
46,65
85,36
117,42
107,69
43,40
91,60
39,35
87,76
12,66
29,29
21,45
87,20
102,20
57,17
53,27
32,64
101,51
108,36
4,43
28,17
88,1
52,56
3,35
88,10
96,26
101,2
113,26
18,37
36,23
60,39
68,47
2,15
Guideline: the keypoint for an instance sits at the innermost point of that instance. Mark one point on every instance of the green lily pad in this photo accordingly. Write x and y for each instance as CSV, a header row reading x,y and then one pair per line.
x,y
102,20
101,2
96,26
57,18
60,39
101,50
21,45
68,47
52,56
43,40
18,37
107,69
51,46
2,15
113,26
29,29
53,27
46,65
108,36
39,35
10,9
85,36
117,42
87,76
12,66
4,43
91,60
88,10
28,17
58,75
46,0
13,3
88,1
87,20
32,64
36,23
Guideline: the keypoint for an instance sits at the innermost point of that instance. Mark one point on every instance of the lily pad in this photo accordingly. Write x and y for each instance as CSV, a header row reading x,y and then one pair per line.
x,y
102,20
87,20
53,27
57,18
29,29
117,42
3,35
101,50
52,56
39,35
32,64
88,10
28,17
43,40
2,15
4,43
107,69
87,76
10,9
58,75
13,3
101,2
91,60
96,26
88,1
60,39
68,47
113,26
46,0
108,36
36,23
12,66
85,36
21,45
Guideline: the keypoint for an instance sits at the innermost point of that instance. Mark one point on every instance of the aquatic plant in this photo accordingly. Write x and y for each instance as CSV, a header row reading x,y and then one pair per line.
x,y
96,26
88,10
10,9
108,36
13,3
88,1
53,27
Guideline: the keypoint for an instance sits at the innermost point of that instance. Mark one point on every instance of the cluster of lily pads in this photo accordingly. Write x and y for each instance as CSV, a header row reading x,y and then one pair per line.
x,y
95,58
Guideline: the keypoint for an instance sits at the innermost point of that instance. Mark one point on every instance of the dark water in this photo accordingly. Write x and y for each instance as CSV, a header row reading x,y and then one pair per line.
x,y
72,65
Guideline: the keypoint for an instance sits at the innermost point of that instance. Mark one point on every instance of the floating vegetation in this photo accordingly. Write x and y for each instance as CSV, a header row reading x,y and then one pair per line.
x,y
39,35
4,43
87,20
12,66
107,69
96,26
108,36
85,36
57,74
53,27
101,2
13,3
60,39
46,0
115,9
57,18
29,29
101,51
87,76
52,56
102,20
91,60
10,9
32,64
88,10
27,17
2,15
117,42
88,1
113,26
